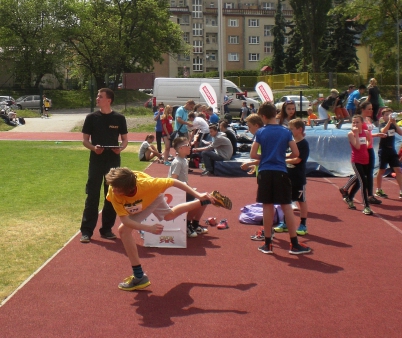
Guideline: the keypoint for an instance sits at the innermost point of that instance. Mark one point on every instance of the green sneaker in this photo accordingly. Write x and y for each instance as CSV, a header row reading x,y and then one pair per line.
x,y
131,283
281,227
302,230
350,203
367,211
381,193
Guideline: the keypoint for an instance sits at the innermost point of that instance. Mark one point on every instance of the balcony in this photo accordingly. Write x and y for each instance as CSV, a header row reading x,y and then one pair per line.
x,y
247,12
180,10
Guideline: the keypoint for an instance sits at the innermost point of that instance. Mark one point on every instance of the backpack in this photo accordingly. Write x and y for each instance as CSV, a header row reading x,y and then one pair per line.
x,y
252,214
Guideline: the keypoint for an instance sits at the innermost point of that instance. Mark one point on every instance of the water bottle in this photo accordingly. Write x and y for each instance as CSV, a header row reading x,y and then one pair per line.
x,y
394,115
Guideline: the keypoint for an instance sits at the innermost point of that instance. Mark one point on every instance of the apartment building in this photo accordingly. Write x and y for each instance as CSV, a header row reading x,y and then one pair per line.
x,y
247,30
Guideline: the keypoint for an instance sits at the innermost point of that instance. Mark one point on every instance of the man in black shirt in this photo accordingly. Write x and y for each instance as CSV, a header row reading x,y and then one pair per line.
x,y
101,133
223,127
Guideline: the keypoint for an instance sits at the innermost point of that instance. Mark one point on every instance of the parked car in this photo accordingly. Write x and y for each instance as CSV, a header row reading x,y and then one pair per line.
x,y
7,100
296,98
386,102
30,102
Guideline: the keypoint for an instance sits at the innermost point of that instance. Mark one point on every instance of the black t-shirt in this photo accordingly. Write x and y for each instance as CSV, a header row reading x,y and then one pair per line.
x,y
343,98
374,94
389,141
328,102
232,139
297,174
104,129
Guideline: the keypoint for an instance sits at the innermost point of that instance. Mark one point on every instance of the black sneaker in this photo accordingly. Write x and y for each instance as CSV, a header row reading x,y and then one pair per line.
x,y
267,249
344,193
299,249
85,239
109,235
373,200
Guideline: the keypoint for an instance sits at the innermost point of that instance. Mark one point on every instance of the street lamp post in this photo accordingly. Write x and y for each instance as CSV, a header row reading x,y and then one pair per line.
x,y
220,56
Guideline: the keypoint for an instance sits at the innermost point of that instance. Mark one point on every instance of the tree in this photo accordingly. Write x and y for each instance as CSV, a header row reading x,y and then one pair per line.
x,y
279,31
116,36
294,53
30,40
310,17
381,26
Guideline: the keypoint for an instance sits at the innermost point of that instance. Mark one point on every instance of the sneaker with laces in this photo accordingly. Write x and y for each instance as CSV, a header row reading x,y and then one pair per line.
x,y
344,193
299,249
168,163
259,235
373,200
223,224
281,227
191,232
85,239
367,211
302,230
131,283
221,200
381,193
267,249
109,235
200,230
350,203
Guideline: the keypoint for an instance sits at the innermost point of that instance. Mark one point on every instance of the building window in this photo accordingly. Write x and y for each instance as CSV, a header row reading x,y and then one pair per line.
x,y
197,64
197,46
211,38
268,5
233,40
186,37
253,57
197,29
253,40
268,30
181,3
228,5
233,23
253,22
268,47
233,57
211,5
197,9
211,21
183,20
210,56
183,57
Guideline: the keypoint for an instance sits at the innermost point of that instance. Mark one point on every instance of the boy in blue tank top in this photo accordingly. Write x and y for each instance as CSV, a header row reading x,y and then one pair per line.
x,y
274,186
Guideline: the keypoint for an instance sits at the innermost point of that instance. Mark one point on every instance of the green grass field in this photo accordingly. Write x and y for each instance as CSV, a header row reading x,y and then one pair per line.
x,y
43,195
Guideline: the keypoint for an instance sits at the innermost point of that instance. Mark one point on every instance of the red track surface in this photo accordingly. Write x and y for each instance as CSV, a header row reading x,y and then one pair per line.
x,y
221,285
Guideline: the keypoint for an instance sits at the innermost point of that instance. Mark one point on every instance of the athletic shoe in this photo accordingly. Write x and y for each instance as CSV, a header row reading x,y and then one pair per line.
x,y
350,203
85,239
223,224
281,227
344,193
299,249
259,235
206,173
373,200
168,163
222,201
191,232
131,283
267,249
367,211
109,235
200,230
302,230
380,193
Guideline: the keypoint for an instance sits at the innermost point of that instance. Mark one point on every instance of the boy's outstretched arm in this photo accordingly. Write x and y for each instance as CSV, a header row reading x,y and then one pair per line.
x,y
294,150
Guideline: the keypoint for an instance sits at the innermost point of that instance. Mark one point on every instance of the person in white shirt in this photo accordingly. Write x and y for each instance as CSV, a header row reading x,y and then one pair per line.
x,y
200,128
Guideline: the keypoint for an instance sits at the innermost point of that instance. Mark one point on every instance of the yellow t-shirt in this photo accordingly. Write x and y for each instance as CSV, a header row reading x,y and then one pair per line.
x,y
148,189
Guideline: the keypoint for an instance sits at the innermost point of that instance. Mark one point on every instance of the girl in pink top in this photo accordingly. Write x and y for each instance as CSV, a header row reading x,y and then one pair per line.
x,y
359,140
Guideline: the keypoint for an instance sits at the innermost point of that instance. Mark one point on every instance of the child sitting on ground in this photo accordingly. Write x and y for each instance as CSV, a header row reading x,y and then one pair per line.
x,y
179,171
148,151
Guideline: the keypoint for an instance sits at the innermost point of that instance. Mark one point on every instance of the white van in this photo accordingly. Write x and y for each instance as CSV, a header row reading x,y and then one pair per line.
x,y
177,91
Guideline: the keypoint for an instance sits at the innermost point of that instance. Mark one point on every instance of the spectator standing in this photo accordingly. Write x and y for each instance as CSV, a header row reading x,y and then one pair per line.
x,y
158,126
101,128
181,118
374,98
219,150
167,129
353,100
287,113
274,186
243,112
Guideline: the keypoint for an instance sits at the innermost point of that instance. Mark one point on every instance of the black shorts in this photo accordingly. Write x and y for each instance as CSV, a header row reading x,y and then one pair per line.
x,y
388,156
143,158
299,193
274,187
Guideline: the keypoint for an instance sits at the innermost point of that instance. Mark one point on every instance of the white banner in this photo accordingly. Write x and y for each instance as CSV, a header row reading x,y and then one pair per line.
x,y
174,233
209,95
264,92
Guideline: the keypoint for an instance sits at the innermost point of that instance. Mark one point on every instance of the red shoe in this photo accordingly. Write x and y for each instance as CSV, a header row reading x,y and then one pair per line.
x,y
211,221
223,224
